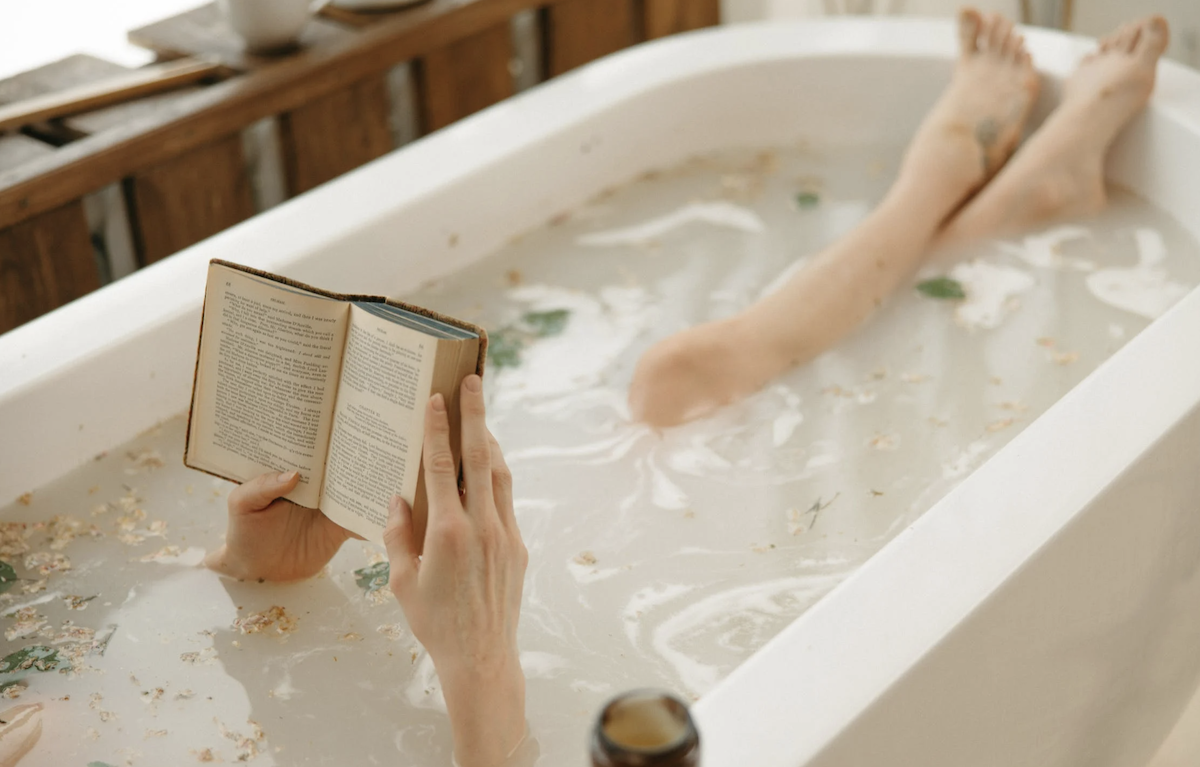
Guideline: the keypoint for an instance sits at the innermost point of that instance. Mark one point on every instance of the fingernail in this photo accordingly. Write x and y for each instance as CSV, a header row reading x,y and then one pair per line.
x,y
393,509
285,477
439,403
473,383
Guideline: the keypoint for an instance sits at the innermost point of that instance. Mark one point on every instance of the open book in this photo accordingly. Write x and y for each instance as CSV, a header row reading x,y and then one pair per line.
x,y
333,386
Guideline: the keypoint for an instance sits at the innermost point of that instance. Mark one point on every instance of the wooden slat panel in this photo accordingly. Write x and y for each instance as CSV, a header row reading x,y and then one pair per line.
x,y
466,76
70,72
579,31
668,17
16,149
128,86
114,117
188,198
44,263
334,134
79,69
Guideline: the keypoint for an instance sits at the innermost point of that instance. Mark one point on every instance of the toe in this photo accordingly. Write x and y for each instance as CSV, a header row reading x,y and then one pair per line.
x,y
1131,42
1155,35
1113,41
987,22
1124,35
969,22
1014,46
969,30
1025,62
1000,29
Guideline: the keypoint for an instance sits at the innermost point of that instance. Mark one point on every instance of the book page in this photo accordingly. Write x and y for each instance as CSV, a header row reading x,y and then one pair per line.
x,y
379,422
266,382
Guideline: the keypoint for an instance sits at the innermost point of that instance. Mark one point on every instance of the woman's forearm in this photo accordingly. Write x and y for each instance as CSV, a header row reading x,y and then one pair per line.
x,y
487,712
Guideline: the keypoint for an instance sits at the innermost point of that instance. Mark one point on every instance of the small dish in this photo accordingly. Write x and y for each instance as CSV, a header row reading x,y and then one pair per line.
x,y
374,5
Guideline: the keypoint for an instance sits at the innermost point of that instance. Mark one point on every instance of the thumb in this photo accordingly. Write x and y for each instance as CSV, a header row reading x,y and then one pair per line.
x,y
20,728
401,548
261,492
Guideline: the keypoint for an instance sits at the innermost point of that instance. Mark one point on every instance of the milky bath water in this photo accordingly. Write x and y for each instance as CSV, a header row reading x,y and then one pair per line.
x,y
656,559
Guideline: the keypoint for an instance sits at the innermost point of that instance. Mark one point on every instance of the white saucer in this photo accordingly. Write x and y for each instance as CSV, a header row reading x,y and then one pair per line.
x,y
374,5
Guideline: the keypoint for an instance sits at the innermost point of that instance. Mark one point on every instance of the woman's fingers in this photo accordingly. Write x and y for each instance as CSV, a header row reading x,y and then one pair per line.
x,y
476,449
502,486
261,492
20,729
502,492
441,474
402,549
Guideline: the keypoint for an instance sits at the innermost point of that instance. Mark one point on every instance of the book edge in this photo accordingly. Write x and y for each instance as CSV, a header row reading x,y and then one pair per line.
x,y
481,361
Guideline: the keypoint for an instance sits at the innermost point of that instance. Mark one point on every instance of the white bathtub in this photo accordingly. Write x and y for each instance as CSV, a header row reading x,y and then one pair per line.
x,y
1046,612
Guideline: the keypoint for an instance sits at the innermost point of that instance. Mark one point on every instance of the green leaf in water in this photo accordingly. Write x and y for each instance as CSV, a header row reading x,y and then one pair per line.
x,y
373,578
546,324
504,348
808,199
33,659
506,344
942,287
8,576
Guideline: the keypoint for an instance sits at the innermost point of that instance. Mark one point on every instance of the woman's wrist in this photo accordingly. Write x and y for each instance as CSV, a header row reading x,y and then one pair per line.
x,y
486,705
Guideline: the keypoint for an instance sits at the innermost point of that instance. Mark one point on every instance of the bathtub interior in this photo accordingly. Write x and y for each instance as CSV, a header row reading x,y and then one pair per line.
x,y
463,217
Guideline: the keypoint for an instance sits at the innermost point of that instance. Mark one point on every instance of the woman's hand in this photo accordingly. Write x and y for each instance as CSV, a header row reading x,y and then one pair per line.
x,y
20,728
272,539
462,597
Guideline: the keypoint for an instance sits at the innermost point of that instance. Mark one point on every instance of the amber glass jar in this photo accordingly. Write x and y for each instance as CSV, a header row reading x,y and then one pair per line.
x,y
645,728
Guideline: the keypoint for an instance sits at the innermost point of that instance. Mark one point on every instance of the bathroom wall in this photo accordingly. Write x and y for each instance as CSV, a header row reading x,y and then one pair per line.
x,y
1092,17
1087,17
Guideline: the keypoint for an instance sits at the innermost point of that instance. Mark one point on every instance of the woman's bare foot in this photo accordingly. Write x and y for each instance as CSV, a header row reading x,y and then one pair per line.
x,y
976,124
1060,170
969,133
691,373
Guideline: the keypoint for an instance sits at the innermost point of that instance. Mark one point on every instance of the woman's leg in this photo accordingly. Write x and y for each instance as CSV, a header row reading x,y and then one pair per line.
x,y
965,139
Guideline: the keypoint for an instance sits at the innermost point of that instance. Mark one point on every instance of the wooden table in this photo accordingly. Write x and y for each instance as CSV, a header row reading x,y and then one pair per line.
x,y
178,157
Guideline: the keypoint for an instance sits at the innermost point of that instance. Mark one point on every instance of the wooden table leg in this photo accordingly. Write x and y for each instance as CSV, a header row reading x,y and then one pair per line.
x,y
45,262
334,134
466,76
579,31
188,198
668,17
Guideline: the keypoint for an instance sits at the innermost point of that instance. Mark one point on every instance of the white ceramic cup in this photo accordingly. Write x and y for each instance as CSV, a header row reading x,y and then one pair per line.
x,y
268,25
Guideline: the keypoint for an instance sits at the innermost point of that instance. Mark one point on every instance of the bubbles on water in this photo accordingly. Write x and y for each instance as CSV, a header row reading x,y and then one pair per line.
x,y
706,638
713,213
1144,289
